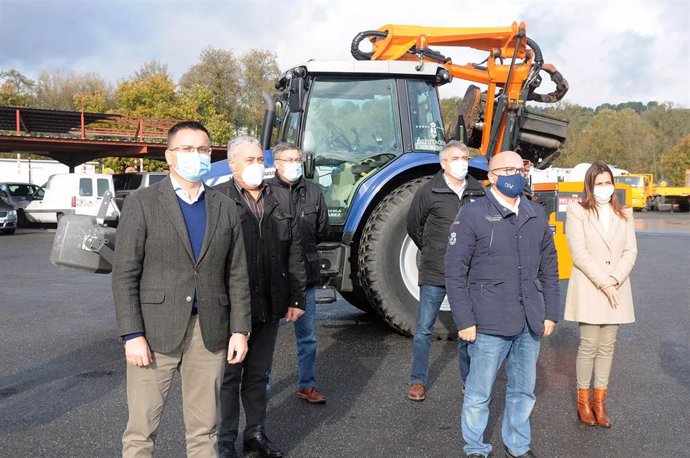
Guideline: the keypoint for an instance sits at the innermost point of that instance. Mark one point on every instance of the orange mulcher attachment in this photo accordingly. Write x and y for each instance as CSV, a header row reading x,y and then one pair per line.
x,y
509,84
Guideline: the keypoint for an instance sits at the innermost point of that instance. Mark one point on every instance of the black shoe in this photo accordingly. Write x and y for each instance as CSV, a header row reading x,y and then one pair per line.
x,y
260,444
528,454
227,450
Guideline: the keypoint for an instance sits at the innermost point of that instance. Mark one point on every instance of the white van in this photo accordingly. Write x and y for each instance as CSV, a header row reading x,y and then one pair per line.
x,y
69,193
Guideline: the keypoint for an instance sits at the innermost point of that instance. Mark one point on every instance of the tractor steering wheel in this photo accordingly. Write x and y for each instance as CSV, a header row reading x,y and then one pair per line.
x,y
337,136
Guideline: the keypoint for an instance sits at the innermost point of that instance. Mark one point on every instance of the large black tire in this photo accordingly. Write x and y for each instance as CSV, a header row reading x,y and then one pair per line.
x,y
357,298
380,264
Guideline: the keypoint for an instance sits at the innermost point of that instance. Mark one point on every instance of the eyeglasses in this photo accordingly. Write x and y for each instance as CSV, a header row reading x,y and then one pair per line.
x,y
510,171
206,150
290,161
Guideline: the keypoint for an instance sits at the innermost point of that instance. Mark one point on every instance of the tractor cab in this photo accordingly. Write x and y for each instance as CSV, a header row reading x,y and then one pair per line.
x,y
351,119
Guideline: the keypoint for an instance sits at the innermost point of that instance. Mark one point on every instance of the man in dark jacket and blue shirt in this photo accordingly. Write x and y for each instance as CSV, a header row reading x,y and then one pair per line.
x,y
433,210
502,283
307,206
276,284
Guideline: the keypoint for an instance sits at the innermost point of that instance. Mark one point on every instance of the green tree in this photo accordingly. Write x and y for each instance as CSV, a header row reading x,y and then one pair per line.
x,y
219,71
153,97
64,91
151,68
450,108
259,71
573,152
16,90
672,123
198,102
96,102
676,161
620,138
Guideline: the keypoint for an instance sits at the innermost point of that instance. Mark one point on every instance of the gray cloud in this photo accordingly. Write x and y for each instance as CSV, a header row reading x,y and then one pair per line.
x,y
610,52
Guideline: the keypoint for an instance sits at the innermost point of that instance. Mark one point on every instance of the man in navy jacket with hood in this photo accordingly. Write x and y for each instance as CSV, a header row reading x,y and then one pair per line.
x,y
502,283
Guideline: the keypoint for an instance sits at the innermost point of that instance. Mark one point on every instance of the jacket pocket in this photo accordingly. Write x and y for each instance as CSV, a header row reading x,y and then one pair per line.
x,y
485,287
223,300
310,216
151,296
281,223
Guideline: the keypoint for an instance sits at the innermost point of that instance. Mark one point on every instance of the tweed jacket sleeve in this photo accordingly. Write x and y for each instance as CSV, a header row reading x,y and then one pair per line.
x,y
128,266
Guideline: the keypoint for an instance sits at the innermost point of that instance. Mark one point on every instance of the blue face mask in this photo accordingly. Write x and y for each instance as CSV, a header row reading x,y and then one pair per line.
x,y
511,186
292,171
191,166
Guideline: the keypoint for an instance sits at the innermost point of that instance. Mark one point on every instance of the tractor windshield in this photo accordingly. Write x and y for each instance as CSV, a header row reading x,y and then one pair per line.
x,y
353,128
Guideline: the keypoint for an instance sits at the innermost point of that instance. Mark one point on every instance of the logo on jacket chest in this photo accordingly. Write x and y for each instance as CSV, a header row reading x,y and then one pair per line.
x,y
452,239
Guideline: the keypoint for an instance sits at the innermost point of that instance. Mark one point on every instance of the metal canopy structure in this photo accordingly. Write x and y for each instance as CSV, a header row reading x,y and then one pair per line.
x,y
75,137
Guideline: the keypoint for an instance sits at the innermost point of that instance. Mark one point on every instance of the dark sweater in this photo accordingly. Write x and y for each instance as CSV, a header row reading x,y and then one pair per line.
x,y
195,220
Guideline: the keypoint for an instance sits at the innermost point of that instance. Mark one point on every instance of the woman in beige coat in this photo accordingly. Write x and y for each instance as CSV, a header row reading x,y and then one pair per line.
x,y
601,237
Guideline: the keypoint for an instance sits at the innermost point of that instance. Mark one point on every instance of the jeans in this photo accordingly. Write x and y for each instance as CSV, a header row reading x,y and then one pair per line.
x,y
305,334
430,300
487,352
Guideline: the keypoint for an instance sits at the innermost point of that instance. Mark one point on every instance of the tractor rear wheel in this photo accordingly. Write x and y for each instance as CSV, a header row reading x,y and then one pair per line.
x,y
388,261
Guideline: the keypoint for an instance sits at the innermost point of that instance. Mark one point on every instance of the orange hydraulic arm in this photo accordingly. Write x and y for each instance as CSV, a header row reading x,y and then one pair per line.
x,y
400,42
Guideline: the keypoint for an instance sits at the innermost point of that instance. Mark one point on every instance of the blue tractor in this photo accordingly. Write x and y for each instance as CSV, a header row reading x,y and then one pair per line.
x,y
370,132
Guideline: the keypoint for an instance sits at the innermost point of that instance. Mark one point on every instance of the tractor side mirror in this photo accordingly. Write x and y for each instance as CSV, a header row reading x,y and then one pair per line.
x,y
309,165
296,96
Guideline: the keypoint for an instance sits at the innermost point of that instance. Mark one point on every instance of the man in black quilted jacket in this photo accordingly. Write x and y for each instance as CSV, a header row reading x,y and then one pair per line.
x,y
431,214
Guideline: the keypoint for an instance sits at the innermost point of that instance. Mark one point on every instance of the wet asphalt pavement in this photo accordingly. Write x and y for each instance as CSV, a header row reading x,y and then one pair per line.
x,y
62,391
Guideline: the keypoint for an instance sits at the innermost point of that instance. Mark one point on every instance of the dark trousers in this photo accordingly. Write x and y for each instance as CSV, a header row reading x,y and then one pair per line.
x,y
249,380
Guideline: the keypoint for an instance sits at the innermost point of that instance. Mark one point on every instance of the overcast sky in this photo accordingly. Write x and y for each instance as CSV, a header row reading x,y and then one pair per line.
x,y
610,51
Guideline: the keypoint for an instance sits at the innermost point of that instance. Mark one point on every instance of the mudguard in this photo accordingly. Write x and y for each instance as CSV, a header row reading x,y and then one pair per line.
x,y
370,188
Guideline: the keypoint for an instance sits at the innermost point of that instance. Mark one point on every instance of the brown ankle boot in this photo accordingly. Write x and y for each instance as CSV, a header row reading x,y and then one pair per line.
x,y
599,407
584,409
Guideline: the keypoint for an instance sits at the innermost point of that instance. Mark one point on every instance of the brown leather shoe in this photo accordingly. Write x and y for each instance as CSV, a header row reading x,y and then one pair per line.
x,y
599,407
584,408
416,392
311,395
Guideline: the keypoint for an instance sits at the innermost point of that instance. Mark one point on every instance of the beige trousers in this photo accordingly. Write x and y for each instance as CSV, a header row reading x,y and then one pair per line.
x,y
597,342
201,373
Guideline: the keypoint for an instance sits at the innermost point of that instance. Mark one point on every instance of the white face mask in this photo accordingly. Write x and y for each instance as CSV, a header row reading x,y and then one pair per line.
x,y
292,171
253,175
458,169
603,193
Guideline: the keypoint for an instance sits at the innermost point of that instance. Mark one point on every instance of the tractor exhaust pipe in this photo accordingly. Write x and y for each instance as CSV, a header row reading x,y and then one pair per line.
x,y
269,117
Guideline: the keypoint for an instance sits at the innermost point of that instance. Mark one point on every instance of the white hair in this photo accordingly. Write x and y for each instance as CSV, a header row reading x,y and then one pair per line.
x,y
235,142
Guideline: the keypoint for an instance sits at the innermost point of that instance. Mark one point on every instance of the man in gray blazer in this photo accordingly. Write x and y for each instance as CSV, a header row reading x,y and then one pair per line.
x,y
181,296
